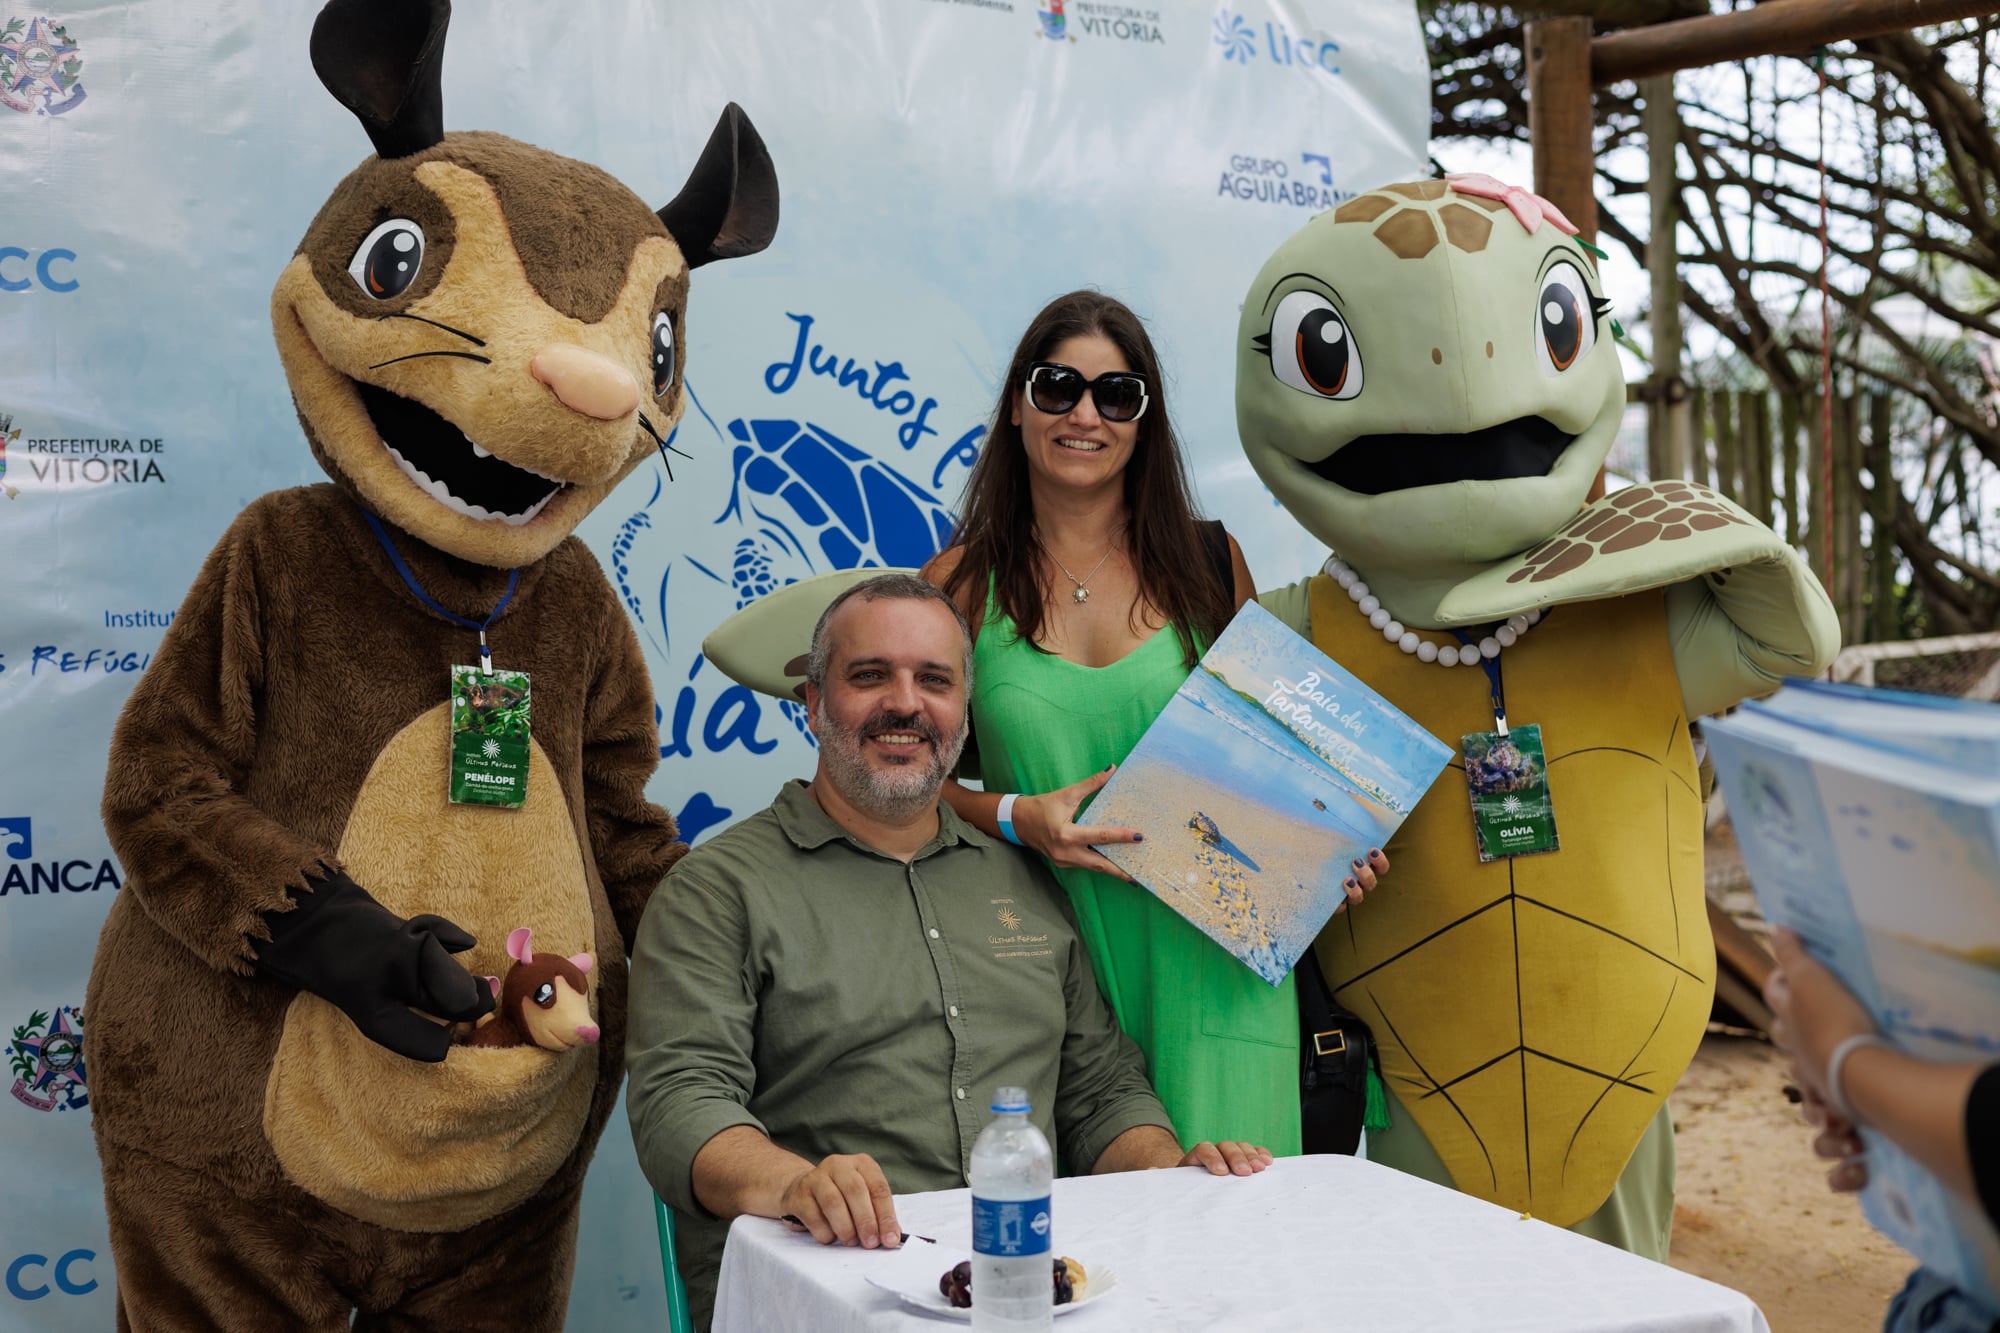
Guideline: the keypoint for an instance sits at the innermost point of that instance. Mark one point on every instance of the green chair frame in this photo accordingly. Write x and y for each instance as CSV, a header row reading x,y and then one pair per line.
x,y
678,1318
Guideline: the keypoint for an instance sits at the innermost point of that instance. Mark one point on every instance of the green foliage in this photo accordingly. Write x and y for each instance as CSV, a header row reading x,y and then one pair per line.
x,y
495,705
24,1067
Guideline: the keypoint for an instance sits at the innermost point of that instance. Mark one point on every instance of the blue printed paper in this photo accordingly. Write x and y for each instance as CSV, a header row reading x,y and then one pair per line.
x,y
1875,835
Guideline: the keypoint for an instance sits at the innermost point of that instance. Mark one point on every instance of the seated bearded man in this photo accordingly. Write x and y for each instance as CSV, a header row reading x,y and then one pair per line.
x,y
826,996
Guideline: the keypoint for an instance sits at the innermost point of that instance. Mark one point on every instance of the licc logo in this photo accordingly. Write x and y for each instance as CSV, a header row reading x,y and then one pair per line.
x,y
17,836
1238,40
25,1282
39,68
41,271
1236,37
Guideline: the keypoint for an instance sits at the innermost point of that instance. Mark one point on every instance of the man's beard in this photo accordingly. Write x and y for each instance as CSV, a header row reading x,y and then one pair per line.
x,y
892,793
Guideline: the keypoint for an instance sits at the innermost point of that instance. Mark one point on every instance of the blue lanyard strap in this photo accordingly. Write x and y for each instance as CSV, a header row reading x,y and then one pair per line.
x,y
1491,665
396,559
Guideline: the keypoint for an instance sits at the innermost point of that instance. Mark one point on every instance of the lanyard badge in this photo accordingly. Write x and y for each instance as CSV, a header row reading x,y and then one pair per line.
x,y
489,736
489,709
1508,773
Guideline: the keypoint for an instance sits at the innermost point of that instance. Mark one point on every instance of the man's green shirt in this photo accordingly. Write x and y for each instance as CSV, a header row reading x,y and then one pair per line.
x,y
790,978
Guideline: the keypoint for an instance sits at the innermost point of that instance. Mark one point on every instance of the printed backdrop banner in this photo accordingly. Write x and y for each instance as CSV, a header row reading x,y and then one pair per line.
x,y
946,167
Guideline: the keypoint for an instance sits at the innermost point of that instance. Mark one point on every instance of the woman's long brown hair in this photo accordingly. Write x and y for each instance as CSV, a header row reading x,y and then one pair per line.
x,y
997,526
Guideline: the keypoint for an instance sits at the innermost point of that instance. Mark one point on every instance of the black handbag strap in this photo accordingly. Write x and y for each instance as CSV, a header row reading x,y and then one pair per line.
x,y
1215,538
1334,1055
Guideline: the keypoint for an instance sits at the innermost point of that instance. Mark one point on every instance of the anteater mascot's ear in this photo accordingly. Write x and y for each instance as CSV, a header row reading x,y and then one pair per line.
x,y
729,206
382,59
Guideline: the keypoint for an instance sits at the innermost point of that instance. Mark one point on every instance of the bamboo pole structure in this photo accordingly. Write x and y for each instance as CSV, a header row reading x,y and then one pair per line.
x,y
1788,464
1726,479
1815,492
1697,411
1771,28
1666,391
1883,621
1561,128
1847,572
1560,121
1755,453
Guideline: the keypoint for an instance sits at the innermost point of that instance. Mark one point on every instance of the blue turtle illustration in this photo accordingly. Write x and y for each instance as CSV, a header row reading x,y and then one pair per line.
x,y
825,504
856,510
809,502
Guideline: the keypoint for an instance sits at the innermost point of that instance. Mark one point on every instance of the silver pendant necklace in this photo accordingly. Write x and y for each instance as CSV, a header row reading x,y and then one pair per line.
x,y
1082,594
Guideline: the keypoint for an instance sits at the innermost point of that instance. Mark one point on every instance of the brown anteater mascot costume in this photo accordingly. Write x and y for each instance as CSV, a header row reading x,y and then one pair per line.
x,y
481,339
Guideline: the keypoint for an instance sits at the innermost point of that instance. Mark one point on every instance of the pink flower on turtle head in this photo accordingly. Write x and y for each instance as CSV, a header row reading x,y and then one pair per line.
x,y
1528,207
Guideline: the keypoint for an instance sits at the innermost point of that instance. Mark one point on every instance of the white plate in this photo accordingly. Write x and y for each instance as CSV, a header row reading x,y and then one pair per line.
x,y
915,1284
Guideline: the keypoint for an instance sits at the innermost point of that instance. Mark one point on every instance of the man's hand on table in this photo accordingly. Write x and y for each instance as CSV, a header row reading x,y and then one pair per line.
x,y
1149,1147
1228,1158
846,1198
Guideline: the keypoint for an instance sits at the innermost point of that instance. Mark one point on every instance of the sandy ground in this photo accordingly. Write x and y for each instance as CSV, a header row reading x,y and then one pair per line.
x,y
1754,1212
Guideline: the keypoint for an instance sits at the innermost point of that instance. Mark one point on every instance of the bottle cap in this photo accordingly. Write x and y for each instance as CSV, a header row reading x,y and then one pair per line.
x,y
1009,1101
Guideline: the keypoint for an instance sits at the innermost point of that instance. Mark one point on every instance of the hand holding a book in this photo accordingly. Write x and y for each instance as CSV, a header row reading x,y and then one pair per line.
x,y
1363,879
1927,1108
1812,1014
1047,824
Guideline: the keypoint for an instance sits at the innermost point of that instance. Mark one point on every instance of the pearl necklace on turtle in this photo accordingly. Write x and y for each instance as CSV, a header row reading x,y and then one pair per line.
x,y
1409,641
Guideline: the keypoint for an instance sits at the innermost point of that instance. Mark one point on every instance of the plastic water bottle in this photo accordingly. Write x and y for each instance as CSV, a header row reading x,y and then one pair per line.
x,y
1013,1287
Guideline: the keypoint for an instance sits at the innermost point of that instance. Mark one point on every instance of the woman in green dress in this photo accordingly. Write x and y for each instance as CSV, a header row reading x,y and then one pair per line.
x,y
1093,587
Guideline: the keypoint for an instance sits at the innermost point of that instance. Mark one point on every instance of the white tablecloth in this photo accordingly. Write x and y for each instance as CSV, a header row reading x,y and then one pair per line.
x,y
1312,1243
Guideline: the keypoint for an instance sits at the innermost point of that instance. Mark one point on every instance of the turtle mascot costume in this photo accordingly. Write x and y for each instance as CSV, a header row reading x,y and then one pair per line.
x,y
334,806
1424,382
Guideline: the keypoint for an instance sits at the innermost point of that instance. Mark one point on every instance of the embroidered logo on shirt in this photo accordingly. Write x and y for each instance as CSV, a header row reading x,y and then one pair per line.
x,y
1014,944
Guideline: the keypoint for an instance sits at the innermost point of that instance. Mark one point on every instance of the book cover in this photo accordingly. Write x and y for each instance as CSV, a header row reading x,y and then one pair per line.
x,y
1269,772
1885,858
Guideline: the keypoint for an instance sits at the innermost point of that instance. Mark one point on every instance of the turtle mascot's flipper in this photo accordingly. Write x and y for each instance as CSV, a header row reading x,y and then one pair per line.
x,y
764,646
481,339
1426,381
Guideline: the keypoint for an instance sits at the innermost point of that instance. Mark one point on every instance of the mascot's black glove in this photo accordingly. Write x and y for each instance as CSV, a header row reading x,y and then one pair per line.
x,y
375,967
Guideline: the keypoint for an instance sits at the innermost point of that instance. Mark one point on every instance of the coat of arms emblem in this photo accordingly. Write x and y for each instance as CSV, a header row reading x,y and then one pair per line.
x,y
48,1061
40,70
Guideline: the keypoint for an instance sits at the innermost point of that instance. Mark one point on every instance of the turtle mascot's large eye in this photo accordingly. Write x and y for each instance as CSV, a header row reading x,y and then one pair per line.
x,y
388,258
1565,320
1312,349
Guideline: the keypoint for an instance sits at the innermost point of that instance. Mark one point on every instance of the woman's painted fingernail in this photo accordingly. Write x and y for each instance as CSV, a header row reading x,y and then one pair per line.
x,y
1357,865
1138,837
1351,884
1374,851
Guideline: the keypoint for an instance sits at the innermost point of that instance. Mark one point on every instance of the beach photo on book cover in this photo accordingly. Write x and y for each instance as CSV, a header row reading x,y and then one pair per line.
x,y
1269,772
